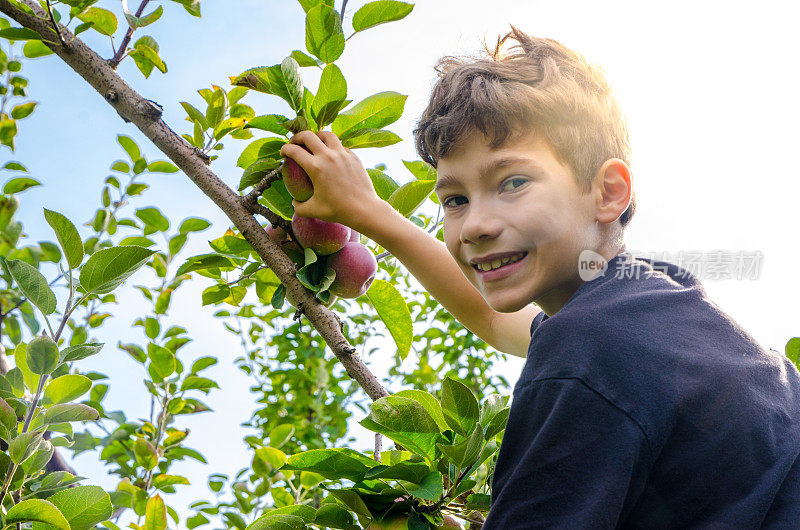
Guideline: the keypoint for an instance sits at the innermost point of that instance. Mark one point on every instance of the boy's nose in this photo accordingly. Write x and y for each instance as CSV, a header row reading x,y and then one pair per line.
x,y
480,224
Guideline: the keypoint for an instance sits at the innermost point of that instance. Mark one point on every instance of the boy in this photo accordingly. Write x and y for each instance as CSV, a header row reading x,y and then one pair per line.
x,y
641,404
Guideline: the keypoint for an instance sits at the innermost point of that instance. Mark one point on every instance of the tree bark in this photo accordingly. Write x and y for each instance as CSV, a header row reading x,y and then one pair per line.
x,y
146,116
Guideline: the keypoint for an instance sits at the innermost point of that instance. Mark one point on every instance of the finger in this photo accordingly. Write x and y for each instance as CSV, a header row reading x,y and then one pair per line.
x,y
310,140
297,153
330,139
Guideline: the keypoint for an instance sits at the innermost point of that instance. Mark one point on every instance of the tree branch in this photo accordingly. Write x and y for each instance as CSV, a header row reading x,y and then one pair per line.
x,y
123,47
131,106
265,183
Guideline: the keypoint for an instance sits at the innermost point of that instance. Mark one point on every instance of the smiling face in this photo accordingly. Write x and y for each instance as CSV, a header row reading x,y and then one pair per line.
x,y
518,201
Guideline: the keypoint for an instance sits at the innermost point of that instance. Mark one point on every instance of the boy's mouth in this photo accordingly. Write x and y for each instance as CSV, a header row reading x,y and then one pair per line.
x,y
498,263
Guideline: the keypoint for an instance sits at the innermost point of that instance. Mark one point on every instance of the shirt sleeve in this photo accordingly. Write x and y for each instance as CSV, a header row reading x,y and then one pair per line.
x,y
572,460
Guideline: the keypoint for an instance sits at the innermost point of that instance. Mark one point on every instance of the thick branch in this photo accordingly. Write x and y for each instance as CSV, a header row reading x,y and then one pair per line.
x,y
147,117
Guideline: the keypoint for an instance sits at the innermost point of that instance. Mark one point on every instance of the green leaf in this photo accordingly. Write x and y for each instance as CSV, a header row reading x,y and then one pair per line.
x,y
294,82
108,268
410,196
82,506
497,423
14,166
303,59
155,515
280,521
24,445
428,401
380,12
66,388
371,138
355,503
460,407
431,488
162,166
281,434
413,472
384,184
67,236
257,171
278,199
22,111
8,417
80,351
260,149
161,481
36,48
374,112
161,360
33,285
793,350
269,122
36,510
465,453
130,147
194,382
324,35
195,114
153,217
149,19
392,309
333,464
102,20
19,34
330,97
19,184
193,224
145,453
67,412
308,4
270,80
334,516
406,422
42,355
421,170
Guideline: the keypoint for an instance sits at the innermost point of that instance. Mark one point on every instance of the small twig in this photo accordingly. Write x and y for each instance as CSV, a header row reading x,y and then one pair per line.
x,y
265,183
344,6
378,443
55,24
246,276
123,47
272,217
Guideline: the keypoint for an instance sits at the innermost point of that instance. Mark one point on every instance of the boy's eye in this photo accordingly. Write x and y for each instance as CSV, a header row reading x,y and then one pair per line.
x,y
510,183
448,202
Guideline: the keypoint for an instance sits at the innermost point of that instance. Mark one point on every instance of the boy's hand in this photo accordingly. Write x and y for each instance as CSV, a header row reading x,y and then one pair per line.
x,y
343,191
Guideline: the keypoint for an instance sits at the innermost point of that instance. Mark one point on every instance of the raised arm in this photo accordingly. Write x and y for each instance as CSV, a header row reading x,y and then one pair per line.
x,y
343,193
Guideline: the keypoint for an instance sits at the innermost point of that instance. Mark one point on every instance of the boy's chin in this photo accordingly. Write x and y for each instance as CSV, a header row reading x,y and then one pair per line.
x,y
507,305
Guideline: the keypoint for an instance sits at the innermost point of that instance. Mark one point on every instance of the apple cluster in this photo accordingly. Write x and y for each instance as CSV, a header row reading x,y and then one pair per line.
x,y
355,265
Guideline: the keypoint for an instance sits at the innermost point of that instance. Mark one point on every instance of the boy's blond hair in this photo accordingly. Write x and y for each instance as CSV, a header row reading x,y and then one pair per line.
x,y
540,86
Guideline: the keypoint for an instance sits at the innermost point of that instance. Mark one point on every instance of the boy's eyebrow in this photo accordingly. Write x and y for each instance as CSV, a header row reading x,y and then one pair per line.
x,y
449,181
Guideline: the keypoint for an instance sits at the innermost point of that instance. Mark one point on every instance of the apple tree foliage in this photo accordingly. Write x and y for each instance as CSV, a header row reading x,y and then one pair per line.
x,y
305,470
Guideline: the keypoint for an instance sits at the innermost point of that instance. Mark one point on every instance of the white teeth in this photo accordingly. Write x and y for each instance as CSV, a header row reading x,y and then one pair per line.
x,y
497,263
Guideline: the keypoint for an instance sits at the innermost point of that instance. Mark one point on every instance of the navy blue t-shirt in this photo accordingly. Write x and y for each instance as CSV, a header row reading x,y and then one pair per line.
x,y
643,405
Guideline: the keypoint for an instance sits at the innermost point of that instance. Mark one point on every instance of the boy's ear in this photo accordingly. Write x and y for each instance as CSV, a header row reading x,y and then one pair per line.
x,y
613,189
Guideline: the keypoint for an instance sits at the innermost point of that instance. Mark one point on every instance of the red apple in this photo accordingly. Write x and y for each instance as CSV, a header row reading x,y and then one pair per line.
x,y
354,236
322,237
296,180
355,267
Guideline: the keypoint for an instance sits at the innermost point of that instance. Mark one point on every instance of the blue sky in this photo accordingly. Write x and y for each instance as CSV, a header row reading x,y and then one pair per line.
x,y
709,90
